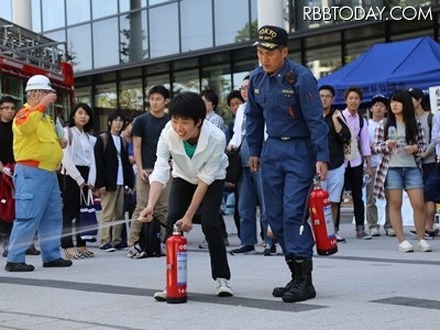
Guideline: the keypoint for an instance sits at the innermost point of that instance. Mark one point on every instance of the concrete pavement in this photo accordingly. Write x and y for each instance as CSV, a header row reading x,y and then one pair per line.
x,y
367,284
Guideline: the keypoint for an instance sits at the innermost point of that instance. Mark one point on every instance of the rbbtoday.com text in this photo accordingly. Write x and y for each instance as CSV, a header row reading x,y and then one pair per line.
x,y
358,13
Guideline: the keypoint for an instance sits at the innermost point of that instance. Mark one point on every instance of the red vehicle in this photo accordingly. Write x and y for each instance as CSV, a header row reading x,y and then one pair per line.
x,y
24,54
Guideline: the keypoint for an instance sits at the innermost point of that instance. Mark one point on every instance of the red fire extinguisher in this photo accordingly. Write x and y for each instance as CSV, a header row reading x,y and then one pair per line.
x,y
322,221
176,275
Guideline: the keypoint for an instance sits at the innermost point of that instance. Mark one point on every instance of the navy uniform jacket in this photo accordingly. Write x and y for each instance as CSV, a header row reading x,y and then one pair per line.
x,y
288,104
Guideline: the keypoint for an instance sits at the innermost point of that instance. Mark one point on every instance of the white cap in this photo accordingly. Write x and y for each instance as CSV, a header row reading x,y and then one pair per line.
x,y
38,82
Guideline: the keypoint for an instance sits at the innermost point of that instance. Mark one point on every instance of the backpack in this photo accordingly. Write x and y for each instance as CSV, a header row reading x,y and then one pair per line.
x,y
104,138
150,238
351,148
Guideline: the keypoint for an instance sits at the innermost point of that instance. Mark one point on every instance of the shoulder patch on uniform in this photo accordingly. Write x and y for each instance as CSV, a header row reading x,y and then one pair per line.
x,y
290,77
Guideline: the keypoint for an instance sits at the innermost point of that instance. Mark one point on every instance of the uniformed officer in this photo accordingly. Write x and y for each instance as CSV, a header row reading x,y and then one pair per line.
x,y
284,98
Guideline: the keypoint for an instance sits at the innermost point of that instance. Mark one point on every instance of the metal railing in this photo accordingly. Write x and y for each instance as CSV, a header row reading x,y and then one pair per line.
x,y
31,48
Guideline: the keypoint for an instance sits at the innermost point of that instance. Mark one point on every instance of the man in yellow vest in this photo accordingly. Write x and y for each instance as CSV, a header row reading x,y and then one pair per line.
x,y
38,153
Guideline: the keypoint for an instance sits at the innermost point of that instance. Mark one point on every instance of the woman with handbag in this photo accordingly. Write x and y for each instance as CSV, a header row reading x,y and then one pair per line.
x,y
78,172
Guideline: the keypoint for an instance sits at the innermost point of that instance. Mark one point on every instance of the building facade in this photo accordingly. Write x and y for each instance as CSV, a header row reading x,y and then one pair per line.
x,y
120,48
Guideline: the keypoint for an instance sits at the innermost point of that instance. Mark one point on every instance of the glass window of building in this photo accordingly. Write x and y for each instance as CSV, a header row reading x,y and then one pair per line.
x,y
104,8
105,103
83,95
6,10
240,70
36,15
186,81
134,36
105,43
53,14
354,49
196,24
155,2
78,11
218,78
231,21
79,47
12,87
130,95
58,35
323,61
238,79
164,30
254,13
105,96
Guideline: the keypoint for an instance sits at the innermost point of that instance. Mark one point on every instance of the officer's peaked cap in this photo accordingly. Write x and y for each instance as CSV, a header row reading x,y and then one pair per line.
x,y
270,37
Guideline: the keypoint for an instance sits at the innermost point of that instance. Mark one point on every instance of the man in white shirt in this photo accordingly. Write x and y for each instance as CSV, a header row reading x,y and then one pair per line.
x,y
196,148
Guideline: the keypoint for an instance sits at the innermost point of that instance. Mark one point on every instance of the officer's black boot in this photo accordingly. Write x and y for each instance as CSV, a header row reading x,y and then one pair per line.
x,y
280,290
302,288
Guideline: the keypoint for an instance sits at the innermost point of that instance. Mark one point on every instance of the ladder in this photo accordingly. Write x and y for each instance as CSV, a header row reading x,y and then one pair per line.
x,y
28,47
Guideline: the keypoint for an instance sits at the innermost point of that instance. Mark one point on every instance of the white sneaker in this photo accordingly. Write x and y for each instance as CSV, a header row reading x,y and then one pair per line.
x,y
424,246
390,232
224,289
374,232
406,246
339,238
161,295
203,245
135,252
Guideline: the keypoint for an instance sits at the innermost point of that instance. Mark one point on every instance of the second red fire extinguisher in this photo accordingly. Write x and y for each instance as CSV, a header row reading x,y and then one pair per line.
x,y
322,220
176,273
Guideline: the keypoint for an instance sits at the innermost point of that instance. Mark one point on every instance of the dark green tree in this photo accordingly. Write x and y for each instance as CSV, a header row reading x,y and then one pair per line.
x,y
248,32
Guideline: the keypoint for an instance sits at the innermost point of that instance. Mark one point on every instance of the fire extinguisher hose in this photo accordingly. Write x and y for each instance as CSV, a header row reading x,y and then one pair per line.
x,y
306,205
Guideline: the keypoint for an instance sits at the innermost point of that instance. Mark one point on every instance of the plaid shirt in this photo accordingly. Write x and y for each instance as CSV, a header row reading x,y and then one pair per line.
x,y
380,147
216,119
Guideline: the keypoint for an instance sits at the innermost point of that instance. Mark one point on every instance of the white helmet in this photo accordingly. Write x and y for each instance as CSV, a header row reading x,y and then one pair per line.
x,y
38,82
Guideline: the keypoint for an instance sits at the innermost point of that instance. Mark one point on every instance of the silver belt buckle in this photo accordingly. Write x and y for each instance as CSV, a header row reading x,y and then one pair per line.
x,y
285,138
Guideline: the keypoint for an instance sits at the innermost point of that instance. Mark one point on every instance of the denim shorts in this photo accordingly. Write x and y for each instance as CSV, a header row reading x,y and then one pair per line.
x,y
335,183
404,178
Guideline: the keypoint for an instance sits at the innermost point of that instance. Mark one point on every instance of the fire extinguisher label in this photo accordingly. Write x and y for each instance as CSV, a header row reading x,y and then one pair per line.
x,y
329,221
181,268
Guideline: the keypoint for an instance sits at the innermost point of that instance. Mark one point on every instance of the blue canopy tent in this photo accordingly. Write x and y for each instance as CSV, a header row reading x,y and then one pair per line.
x,y
385,67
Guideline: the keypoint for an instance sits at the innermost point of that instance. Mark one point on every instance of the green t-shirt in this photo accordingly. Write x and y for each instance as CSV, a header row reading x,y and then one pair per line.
x,y
189,148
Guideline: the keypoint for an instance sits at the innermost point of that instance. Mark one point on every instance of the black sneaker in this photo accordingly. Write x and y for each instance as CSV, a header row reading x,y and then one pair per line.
x,y
107,247
245,249
270,250
428,233
18,267
121,246
5,253
32,251
432,233
60,262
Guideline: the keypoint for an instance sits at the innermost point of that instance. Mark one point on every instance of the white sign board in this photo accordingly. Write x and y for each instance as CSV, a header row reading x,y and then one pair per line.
x,y
434,99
